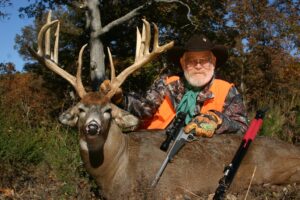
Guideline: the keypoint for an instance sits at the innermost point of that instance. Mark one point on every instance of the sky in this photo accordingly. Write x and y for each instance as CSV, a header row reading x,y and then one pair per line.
x,y
9,27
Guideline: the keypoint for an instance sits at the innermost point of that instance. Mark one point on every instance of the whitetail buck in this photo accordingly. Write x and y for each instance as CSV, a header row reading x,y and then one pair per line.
x,y
124,165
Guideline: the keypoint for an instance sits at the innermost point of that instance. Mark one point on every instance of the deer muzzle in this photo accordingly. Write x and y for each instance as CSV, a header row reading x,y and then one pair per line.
x,y
92,128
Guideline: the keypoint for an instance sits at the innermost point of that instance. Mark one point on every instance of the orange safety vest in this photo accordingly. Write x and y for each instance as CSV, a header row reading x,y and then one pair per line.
x,y
166,112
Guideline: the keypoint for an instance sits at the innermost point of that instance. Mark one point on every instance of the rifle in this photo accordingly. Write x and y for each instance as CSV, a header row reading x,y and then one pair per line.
x,y
180,138
173,130
231,169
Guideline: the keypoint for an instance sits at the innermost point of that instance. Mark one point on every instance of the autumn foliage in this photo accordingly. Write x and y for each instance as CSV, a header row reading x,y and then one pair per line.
x,y
24,99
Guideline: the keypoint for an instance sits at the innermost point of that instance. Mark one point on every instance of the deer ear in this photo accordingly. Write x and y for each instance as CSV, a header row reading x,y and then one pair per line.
x,y
70,116
125,120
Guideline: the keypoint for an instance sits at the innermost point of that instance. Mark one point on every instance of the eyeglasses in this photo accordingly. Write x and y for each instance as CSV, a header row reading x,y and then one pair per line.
x,y
196,61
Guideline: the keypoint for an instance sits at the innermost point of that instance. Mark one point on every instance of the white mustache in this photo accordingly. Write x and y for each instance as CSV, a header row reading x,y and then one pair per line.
x,y
194,80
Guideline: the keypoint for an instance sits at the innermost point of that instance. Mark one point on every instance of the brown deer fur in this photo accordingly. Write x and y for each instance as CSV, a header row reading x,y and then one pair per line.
x,y
130,161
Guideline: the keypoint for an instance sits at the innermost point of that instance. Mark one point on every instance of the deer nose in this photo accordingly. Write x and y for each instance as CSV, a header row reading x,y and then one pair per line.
x,y
92,128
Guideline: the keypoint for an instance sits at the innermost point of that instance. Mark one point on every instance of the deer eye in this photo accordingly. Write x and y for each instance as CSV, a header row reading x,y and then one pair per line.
x,y
107,113
81,110
108,110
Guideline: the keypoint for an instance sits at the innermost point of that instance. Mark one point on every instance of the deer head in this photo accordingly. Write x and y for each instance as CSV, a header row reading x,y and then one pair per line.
x,y
95,115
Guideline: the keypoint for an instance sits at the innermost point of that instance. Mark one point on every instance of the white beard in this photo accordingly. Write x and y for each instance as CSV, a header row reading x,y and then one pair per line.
x,y
199,80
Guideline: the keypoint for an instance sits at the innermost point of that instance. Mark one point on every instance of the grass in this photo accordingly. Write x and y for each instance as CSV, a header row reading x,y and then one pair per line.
x,y
273,121
54,146
21,146
19,143
282,120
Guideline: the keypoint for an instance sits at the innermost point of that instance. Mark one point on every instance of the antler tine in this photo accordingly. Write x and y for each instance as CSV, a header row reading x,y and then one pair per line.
x,y
147,37
143,57
138,44
55,52
79,86
155,38
47,35
41,36
112,67
52,63
141,43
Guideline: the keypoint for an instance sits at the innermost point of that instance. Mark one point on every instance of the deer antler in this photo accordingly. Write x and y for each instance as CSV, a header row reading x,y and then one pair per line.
x,y
42,55
142,55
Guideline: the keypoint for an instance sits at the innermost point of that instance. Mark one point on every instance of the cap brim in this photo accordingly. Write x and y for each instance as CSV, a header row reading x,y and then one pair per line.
x,y
220,52
174,55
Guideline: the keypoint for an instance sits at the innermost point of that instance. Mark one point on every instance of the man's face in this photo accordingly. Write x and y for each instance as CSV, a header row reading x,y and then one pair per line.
x,y
198,67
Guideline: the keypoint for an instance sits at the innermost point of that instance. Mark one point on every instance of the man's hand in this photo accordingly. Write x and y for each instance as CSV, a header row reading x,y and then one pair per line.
x,y
105,87
204,124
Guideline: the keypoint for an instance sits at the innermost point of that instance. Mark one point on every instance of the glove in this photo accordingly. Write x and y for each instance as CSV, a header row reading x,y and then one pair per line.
x,y
105,88
204,124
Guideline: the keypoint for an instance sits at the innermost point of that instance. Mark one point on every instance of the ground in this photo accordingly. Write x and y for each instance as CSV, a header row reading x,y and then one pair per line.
x,y
40,182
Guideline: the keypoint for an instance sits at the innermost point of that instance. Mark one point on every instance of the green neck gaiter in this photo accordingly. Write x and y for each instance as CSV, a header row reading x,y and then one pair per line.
x,y
188,102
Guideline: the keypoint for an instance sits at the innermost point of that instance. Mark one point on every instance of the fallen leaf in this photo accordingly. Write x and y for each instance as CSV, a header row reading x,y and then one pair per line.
x,y
7,192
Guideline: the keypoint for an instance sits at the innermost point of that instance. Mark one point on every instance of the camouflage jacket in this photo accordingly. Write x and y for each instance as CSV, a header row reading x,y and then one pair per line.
x,y
234,116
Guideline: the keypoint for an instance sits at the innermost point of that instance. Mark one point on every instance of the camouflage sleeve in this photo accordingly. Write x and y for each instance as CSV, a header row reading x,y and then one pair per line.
x,y
144,106
234,116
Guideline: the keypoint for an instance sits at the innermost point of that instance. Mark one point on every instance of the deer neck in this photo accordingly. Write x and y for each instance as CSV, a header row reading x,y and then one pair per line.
x,y
116,157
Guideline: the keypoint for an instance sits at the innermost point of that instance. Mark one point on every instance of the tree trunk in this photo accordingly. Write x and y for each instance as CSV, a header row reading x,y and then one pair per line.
x,y
97,56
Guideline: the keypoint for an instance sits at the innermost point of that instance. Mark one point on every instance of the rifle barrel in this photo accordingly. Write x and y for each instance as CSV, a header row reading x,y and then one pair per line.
x,y
160,171
176,146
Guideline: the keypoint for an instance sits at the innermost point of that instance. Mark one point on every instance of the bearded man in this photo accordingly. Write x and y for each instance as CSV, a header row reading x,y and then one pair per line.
x,y
212,105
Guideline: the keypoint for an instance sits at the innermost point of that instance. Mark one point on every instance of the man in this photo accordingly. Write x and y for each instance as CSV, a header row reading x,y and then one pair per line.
x,y
212,105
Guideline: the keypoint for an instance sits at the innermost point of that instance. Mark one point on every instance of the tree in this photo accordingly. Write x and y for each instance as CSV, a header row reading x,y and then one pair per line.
x,y
3,4
111,23
267,43
7,68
